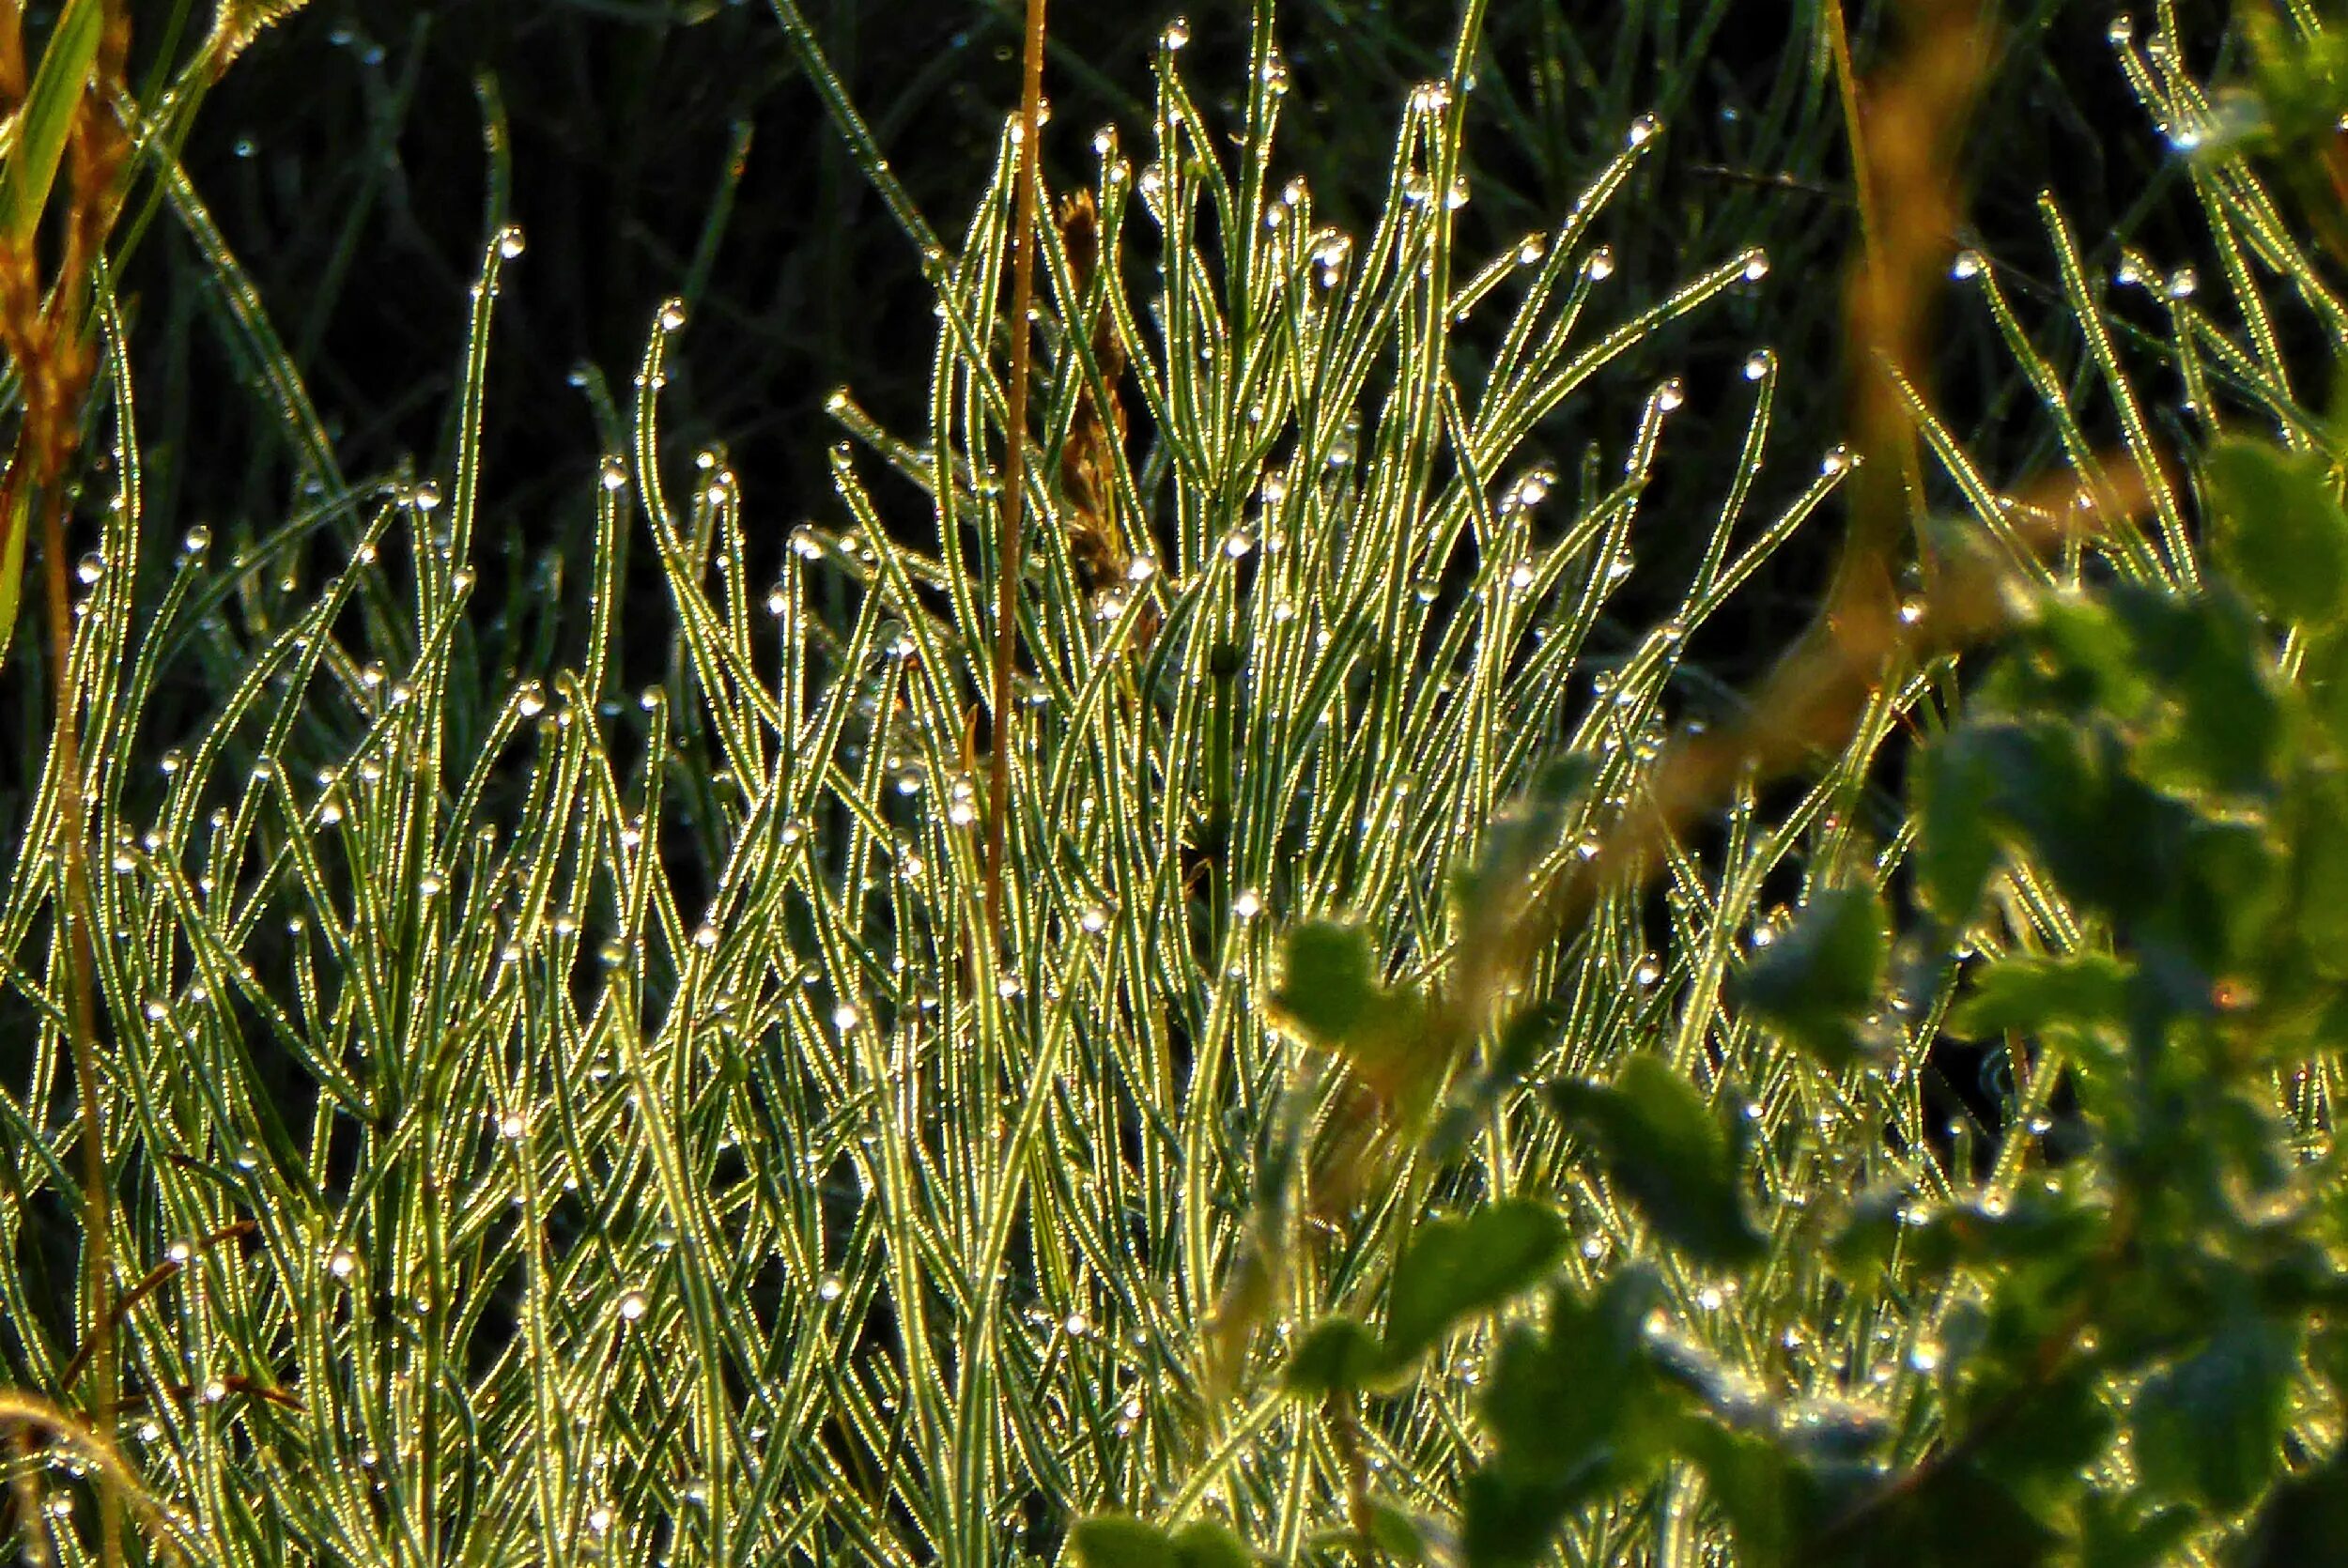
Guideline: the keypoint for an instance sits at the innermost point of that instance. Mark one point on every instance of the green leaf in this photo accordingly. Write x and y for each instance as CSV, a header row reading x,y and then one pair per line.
x,y
46,118
1956,846
1336,1353
1454,1268
1397,1532
2305,1521
1328,988
2070,997
1519,838
2120,1531
2211,1426
1573,1412
1815,979
2319,871
1330,997
1114,1541
1665,1151
2223,720
1770,1500
1205,1545
2280,529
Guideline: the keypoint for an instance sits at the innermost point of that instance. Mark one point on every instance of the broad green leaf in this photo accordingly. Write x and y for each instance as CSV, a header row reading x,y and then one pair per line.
x,y
2223,718
2210,1428
1957,845
2301,83
46,119
2082,658
1115,1541
2323,680
2305,1521
2119,1531
1815,979
2280,529
1396,1532
1207,1544
2071,997
1328,990
1768,1499
1335,1353
1573,1412
1665,1151
1330,997
2319,870
1454,1268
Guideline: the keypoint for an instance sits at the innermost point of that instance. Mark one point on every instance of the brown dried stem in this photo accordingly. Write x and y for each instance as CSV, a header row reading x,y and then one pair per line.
x,y
45,333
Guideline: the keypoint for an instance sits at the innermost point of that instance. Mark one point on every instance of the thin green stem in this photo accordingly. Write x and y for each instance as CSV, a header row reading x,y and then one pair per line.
x,y
1014,464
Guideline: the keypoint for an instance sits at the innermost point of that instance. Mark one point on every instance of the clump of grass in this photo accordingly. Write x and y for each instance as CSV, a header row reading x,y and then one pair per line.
x,y
605,1123
510,1186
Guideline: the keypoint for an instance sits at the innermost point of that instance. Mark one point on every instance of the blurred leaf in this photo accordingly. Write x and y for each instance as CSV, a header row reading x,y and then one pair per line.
x,y
1397,1532
2082,659
2037,1460
2305,1521
2210,1427
1114,1541
2324,679
1328,990
2280,531
2224,719
1336,1353
2071,997
46,119
1821,974
2119,1531
1768,1499
1520,838
1664,1150
2319,869
1454,1268
1573,1412
2302,86
1956,847
1330,997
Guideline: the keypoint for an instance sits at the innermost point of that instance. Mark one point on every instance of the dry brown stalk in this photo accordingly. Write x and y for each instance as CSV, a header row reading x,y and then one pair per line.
x,y
1014,462
45,331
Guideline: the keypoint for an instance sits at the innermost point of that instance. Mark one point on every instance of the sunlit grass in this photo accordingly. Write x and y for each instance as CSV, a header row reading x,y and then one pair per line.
x,y
596,1124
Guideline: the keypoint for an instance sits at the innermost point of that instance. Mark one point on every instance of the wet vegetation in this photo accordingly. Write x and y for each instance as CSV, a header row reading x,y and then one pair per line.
x,y
1620,841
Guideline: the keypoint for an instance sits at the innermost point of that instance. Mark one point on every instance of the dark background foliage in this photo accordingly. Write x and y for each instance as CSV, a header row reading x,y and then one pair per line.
x,y
344,158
